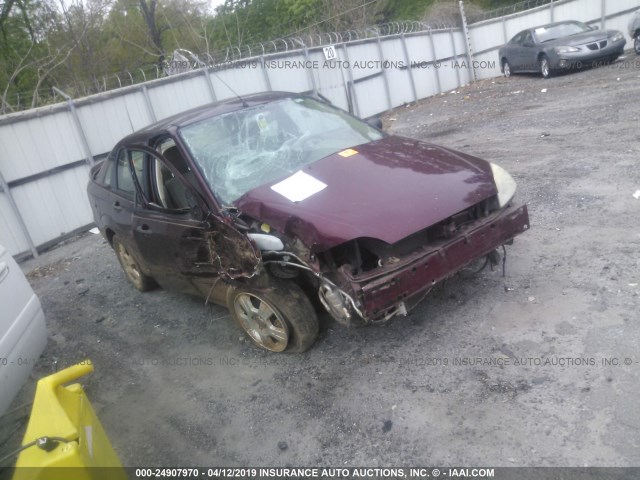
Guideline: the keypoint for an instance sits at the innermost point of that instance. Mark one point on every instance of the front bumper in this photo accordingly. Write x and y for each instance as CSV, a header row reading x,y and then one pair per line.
x,y
382,291
586,58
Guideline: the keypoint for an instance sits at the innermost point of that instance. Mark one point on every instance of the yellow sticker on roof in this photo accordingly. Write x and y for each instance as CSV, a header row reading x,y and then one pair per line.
x,y
348,152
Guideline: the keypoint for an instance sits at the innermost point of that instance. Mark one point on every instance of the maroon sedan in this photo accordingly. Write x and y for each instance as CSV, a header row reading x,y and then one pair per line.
x,y
259,203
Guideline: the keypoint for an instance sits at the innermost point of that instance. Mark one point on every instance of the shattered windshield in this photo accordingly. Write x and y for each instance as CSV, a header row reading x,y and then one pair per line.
x,y
239,151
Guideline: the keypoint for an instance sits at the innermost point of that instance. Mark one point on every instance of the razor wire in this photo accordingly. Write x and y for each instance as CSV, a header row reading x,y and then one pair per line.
x,y
297,42
183,60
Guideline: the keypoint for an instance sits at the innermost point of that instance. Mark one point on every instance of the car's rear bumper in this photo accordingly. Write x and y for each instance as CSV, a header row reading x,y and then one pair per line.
x,y
381,292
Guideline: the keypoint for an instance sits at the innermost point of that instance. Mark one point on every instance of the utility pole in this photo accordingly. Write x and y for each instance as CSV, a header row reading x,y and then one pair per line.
x,y
467,39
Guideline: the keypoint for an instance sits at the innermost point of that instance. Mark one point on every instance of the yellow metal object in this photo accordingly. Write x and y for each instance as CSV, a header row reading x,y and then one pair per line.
x,y
64,412
265,227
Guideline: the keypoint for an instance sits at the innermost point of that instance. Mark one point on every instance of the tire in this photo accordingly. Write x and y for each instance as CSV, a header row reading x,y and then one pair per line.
x,y
506,68
277,318
131,268
636,44
545,67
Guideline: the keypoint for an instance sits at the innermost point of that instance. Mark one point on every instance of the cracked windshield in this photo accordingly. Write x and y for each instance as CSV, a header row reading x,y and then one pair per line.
x,y
239,151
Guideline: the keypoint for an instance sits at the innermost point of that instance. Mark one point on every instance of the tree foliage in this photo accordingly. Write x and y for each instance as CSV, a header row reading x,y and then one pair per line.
x,y
87,46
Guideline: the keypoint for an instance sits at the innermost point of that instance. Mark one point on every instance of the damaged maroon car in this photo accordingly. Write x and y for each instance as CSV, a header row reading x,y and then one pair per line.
x,y
265,202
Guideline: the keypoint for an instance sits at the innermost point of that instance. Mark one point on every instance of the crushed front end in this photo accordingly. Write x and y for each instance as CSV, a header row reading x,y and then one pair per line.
x,y
376,281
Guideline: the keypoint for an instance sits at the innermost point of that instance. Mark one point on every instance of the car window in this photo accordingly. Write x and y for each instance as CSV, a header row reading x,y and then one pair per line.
x,y
527,38
165,144
170,192
517,38
138,161
124,180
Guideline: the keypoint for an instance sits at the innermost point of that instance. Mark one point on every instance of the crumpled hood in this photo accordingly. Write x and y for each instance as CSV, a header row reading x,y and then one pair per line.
x,y
388,190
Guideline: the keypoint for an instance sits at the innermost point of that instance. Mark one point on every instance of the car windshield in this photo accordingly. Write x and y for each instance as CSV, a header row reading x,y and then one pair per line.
x,y
546,34
242,150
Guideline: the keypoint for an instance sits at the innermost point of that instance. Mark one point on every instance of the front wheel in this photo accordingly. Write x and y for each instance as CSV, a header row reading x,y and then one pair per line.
x,y
636,44
277,317
545,67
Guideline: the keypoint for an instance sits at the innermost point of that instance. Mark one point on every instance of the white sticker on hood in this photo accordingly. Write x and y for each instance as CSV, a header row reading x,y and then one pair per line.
x,y
299,186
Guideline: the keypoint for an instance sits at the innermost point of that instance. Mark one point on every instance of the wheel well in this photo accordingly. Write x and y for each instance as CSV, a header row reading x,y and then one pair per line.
x,y
541,55
636,33
109,234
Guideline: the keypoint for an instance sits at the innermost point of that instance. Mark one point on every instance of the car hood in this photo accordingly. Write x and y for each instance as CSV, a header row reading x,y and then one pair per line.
x,y
581,38
388,190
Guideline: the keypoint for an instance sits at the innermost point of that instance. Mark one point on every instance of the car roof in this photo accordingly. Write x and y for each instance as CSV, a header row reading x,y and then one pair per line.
x,y
204,111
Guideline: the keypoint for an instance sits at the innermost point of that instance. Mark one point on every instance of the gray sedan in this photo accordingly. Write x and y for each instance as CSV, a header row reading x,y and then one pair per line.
x,y
559,46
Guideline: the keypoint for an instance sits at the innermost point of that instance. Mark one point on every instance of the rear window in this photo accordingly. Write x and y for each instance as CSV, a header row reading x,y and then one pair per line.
x,y
124,179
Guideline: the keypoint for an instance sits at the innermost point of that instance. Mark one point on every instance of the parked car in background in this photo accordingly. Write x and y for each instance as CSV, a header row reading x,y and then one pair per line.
x,y
559,46
23,334
258,202
634,30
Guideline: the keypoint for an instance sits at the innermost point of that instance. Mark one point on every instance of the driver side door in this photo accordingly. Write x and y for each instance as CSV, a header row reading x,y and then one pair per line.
x,y
168,227
529,53
182,248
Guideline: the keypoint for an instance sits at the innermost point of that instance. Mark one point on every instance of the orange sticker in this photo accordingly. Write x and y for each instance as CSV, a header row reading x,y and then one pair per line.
x,y
347,153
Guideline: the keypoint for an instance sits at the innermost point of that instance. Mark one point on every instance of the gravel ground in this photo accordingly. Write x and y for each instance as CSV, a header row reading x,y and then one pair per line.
x,y
526,370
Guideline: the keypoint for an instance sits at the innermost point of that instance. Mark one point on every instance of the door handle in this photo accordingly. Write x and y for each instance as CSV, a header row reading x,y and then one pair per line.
x,y
116,206
144,228
4,270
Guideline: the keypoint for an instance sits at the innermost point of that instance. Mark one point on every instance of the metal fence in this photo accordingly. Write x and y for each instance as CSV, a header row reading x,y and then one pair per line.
x,y
45,153
46,96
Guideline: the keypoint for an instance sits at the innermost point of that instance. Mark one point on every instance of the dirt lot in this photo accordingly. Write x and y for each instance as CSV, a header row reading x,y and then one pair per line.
x,y
487,371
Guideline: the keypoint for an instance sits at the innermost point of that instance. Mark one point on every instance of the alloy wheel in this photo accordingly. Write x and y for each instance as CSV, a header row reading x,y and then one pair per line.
x,y
262,322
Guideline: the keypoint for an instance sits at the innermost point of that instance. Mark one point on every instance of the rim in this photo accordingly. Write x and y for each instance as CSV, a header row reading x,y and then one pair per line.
x,y
545,67
262,322
128,264
507,70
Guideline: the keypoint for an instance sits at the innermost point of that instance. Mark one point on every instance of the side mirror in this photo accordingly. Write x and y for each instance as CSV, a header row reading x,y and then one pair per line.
x,y
375,122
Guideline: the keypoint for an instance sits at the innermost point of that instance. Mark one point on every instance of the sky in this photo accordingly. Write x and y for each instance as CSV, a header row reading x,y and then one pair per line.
x,y
215,3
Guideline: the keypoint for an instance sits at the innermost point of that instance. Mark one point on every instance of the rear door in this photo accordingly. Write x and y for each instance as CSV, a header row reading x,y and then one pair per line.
x,y
119,207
